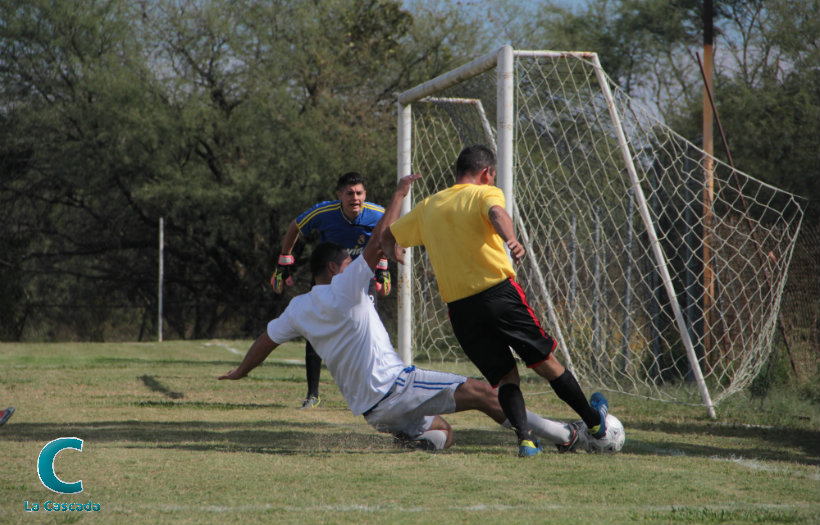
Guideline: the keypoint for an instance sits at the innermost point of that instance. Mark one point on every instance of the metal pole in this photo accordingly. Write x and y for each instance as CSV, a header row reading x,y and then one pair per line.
x,y
161,277
405,271
505,125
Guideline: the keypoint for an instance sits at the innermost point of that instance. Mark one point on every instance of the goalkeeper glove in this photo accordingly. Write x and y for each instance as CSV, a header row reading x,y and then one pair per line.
x,y
281,275
382,278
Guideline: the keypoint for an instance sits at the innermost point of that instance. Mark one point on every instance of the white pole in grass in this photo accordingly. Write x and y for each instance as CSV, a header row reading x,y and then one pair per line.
x,y
405,271
654,243
161,276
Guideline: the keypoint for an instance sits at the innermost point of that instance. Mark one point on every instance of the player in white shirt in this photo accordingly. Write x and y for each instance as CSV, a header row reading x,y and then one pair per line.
x,y
338,318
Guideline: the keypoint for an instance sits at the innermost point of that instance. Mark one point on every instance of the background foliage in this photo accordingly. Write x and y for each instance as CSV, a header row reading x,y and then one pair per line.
x,y
229,117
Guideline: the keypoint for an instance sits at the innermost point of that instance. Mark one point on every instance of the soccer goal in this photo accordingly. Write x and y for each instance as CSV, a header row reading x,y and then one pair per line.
x,y
657,268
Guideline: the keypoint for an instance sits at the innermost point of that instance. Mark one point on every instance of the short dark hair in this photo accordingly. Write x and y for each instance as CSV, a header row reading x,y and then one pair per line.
x,y
351,178
324,253
473,159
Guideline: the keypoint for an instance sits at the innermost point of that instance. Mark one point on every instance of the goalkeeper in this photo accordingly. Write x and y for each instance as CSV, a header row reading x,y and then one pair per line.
x,y
465,230
347,221
338,317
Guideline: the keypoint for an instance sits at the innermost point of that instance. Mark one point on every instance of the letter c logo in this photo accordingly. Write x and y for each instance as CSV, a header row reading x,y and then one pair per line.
x,y
45,465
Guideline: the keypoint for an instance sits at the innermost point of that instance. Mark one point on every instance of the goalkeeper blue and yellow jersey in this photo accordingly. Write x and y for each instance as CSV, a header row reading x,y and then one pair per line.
x,y
329,219
467,255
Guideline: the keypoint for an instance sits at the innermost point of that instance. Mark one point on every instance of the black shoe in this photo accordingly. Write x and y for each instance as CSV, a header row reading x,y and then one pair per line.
x,y
576,429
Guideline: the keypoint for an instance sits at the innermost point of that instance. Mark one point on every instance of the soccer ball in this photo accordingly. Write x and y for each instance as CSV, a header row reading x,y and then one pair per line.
x,y
614,439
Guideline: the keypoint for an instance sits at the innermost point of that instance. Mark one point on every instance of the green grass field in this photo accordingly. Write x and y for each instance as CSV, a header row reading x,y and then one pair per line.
x,y
165,442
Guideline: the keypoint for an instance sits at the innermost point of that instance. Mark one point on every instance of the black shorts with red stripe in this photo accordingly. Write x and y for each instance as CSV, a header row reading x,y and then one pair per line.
x,y
488,323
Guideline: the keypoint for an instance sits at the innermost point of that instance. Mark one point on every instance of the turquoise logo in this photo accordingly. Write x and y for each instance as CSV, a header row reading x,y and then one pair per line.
x,y
45,465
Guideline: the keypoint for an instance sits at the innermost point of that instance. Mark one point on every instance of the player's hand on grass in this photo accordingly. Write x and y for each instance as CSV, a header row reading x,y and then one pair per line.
x,y
233,374
382,278
282,275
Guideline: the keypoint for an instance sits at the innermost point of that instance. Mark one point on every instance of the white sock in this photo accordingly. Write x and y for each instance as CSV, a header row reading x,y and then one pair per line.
x,y
436,437
553,431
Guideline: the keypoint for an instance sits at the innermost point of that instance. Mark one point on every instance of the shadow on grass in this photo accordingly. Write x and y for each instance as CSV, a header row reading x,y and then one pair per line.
x,y
202,405
807,441
152,383
124,362
262,437
322,438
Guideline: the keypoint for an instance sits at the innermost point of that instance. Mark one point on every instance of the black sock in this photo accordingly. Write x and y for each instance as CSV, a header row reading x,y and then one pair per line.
x,y
313,369
512,403
568,390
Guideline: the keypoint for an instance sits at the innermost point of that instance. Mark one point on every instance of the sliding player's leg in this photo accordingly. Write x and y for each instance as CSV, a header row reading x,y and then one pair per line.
x,y
411,410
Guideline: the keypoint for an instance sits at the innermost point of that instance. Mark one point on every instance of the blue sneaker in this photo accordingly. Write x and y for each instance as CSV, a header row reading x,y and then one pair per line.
x,y
527,448
599,404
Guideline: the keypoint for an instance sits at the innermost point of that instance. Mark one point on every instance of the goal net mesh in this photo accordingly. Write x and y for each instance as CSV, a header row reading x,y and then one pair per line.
x,y
590,274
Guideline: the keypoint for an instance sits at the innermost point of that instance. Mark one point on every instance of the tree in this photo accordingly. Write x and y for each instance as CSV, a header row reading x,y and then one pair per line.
x,y
73,114
766,73
768,95
225,117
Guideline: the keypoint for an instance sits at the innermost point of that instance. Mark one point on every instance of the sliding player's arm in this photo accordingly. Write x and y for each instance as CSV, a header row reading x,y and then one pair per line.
x,y
259,351
391,248
373,251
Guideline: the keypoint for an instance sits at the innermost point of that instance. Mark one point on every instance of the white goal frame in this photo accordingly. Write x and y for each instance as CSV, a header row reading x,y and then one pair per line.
x,y
504,62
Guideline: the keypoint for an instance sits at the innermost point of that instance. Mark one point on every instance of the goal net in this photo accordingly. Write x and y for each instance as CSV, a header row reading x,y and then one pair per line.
x,y
657,268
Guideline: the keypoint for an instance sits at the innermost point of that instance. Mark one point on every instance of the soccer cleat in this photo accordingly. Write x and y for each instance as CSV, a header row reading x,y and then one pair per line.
x,y
527,448
599,403
423,444
576,437
6,414
312,402
402,440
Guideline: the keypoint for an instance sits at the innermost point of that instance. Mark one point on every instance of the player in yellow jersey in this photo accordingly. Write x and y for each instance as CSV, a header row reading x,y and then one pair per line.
x,y
465,229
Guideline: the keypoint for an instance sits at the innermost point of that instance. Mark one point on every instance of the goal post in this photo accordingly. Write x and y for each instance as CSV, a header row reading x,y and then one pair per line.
x,y
605,199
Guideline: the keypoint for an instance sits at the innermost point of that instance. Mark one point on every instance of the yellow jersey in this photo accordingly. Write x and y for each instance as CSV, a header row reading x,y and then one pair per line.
x,y
467,254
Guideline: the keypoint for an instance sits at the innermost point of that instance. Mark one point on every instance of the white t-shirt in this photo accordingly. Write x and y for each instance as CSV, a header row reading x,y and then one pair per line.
x,y
342,324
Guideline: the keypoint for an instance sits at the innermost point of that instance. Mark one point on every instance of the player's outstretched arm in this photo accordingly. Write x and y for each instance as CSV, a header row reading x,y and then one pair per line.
x,y
392,250
503,225
259,351
374,250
